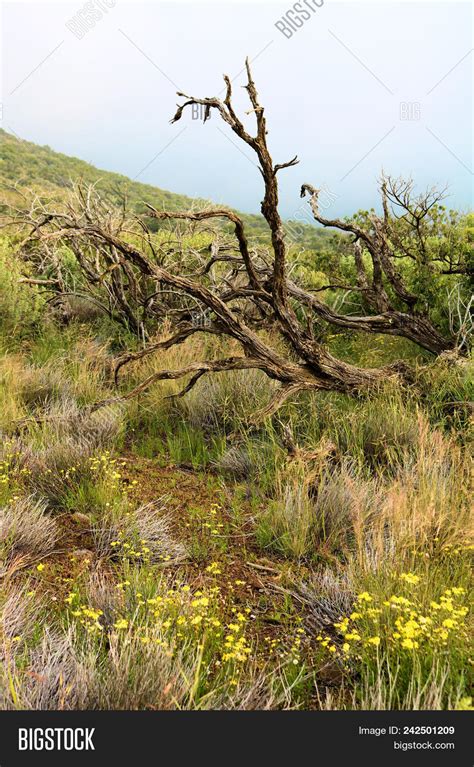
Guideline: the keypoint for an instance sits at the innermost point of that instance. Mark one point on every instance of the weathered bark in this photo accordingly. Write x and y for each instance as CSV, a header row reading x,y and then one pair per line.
x,y
414,323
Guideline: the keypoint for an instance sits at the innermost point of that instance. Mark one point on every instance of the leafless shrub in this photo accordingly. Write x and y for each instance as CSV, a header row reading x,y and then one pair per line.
x,y
26,529
237,293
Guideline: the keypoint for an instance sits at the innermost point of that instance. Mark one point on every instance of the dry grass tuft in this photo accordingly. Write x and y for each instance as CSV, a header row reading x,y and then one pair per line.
x,y
41,386
326,596
247,460
63,673
51,677
141,676
19,609
53,458
224,401
26,529
428,501
144,534
345,504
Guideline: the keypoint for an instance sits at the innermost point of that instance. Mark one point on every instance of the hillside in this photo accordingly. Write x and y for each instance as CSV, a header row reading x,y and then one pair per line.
x,y
40,167
29,165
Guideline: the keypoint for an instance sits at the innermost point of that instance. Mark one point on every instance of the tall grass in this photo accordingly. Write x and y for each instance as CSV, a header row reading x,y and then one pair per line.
x,y
333,507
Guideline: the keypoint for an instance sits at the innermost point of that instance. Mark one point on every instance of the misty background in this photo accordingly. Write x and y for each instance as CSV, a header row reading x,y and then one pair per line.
x,y
357,88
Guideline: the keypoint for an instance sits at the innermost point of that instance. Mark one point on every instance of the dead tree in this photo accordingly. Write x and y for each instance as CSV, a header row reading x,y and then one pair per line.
x,y
254,292
401,232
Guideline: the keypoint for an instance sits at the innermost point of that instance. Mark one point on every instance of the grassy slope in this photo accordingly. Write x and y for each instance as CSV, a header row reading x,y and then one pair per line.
x,y
40,167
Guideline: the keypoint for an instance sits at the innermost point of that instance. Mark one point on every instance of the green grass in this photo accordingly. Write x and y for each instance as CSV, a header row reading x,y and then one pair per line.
x,y
135,537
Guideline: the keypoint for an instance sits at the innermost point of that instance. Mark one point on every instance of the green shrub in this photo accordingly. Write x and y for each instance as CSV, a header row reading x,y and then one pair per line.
x,y
21,305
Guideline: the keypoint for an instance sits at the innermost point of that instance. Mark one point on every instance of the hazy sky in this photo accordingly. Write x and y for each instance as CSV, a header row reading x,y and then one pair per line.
x,y
358,87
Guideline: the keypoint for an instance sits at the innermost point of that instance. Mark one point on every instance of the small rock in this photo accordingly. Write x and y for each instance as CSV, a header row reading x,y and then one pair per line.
x,y
80,519
83,554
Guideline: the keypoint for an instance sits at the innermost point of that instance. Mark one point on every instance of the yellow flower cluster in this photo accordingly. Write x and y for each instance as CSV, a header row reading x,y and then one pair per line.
x,y
177,616
10,473
410,578
296,646
5,469
400,623
328,645
88,617
181,611
121,624
128,550
212,526
107,468
289,649
236,647
65,473
214,569
456,549
465,704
